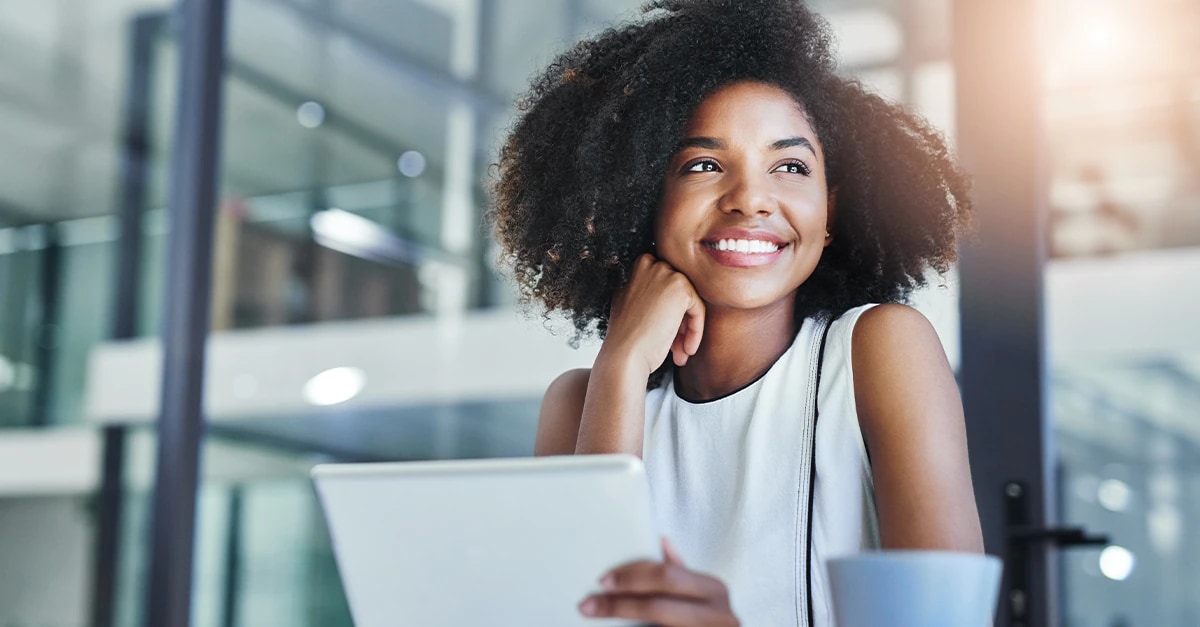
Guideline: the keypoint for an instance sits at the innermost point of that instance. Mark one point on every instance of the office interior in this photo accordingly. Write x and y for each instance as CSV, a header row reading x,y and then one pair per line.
x,y
358,312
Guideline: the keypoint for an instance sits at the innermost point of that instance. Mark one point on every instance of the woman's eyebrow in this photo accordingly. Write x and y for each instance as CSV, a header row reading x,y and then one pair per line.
x,y
710,143
791,142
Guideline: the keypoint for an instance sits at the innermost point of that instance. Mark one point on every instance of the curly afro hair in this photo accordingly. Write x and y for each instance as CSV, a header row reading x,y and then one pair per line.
x,y
579,177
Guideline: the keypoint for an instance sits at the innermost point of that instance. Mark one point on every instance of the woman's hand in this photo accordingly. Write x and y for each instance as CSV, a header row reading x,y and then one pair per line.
x,y
665,593
657,311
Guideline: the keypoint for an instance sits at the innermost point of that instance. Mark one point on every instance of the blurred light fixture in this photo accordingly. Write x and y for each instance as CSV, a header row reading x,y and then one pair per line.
x,y
1116,562
1114,495
355,235
310,114
1100,34
336,385
411,164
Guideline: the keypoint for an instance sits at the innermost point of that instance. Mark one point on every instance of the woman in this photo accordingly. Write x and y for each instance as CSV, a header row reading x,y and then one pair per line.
x,y
741,225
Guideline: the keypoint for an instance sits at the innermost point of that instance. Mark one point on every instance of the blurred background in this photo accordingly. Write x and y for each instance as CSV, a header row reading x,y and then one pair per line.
x,y
357,313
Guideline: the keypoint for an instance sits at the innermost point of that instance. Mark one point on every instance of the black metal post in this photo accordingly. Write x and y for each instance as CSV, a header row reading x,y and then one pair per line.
x,y
108,528
193,199
143,33
46,348
135,159
1003,363
233,558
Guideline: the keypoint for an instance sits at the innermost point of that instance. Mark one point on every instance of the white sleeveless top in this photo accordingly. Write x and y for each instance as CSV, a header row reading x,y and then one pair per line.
x,y
730,479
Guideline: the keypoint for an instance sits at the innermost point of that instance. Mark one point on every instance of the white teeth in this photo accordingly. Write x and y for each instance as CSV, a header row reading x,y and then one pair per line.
x,y
746,246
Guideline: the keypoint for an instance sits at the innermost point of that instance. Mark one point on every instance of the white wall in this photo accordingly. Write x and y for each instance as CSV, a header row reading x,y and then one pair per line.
x,y
43,462
483,356
1124,306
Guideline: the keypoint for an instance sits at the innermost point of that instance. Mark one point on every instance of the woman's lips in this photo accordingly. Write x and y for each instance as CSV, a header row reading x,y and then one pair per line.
x,y
735,259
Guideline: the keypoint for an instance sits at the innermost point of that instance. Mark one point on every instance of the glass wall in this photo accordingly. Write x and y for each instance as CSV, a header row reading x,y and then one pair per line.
x,y
1123,119
64,69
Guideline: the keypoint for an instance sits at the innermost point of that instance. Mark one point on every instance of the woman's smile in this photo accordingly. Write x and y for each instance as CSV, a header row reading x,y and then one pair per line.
x,y
744,248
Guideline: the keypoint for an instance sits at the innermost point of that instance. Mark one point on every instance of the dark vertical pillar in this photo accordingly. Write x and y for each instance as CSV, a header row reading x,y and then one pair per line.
x,y
46,348
485,54
233,559
135,161
193,200
1003,366
108,528
143,33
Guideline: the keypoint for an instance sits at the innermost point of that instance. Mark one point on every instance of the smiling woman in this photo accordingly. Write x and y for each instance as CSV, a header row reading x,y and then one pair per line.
x,y
728,214
581,175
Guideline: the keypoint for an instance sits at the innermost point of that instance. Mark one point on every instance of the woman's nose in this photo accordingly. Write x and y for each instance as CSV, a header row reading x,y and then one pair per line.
x,y
747,197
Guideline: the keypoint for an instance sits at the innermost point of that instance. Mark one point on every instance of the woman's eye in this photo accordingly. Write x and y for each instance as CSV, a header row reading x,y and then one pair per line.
x,y
703,166
795,167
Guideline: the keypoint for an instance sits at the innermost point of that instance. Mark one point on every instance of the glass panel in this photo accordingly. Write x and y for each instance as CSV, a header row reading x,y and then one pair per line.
x,y
65,69
262,551
45,542
1123,117
1124,75
1128,451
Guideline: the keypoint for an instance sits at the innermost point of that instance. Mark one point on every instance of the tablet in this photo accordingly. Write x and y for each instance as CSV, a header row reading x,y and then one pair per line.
x,y
484,542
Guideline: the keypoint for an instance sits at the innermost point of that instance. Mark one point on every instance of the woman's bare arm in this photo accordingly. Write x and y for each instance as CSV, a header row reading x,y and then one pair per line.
x,y
558,420
614,412
657,313
912,420
601,410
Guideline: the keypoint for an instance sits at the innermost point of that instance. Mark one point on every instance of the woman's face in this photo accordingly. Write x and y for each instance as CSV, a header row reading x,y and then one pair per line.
x,y
744,205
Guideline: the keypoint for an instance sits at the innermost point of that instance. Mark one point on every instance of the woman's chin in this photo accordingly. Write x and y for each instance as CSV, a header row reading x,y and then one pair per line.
x,y
744,300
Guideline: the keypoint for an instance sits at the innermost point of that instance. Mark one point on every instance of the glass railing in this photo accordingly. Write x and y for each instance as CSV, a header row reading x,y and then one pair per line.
x,y
1128,445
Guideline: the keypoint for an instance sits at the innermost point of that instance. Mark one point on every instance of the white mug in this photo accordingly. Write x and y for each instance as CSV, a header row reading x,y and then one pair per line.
x,y
914,589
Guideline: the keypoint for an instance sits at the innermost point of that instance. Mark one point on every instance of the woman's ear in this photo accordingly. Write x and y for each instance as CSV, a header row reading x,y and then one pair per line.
x,y
830,212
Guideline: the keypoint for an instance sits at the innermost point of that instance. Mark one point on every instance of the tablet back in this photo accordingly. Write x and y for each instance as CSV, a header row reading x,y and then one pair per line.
x,y
483,542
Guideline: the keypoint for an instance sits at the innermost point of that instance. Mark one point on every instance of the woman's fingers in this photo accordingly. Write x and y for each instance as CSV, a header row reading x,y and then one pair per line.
x,y
691,327
665,593
678,353
664,611
656,300
694,319
659,578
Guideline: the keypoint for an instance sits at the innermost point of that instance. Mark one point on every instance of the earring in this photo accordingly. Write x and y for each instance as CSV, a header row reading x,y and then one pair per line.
x,y
828,235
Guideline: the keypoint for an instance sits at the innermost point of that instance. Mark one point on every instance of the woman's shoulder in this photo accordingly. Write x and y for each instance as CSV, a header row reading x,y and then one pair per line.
x,y
568,386
873,341
562,408
878,330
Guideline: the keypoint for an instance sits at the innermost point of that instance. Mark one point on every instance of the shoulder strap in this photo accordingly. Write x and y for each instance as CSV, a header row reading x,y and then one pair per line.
x,y
822,331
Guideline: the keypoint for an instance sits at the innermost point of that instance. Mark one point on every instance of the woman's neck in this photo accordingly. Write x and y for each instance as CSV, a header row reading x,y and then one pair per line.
x,y
737,348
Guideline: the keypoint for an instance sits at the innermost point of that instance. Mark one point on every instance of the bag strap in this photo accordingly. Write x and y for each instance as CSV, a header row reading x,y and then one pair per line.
x,y
823,329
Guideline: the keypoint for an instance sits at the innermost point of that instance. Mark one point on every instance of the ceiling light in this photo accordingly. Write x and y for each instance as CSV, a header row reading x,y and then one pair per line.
x,y
1116,562
336,385
1114,495
310,114
411,164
